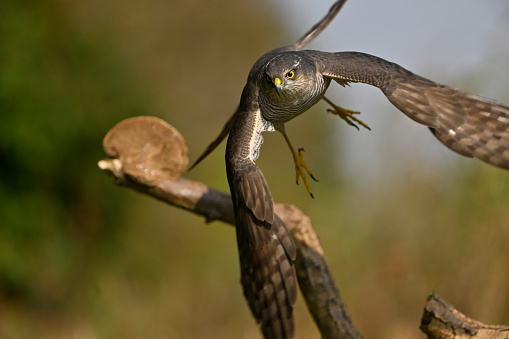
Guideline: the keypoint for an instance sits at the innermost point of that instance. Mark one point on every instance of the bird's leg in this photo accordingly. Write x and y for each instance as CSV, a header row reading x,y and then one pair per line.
x,y
345,114
300,165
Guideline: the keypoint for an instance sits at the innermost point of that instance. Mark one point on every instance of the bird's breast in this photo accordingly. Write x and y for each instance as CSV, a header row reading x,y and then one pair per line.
x,y
292,101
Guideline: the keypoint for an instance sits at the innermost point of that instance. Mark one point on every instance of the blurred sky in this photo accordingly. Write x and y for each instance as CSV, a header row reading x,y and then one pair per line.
x,y
448,41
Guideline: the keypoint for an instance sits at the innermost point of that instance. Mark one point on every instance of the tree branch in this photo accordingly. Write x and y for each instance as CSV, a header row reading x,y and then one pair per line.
x,y
442,320
149,155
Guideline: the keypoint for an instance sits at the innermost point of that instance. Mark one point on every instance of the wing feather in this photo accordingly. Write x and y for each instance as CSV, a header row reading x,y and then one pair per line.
x,y
319,26
266,247
468,124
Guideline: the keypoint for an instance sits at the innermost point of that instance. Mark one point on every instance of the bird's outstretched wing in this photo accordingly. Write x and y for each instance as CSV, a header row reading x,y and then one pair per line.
x,y
212,146
468,124
266,248
266,252
319,26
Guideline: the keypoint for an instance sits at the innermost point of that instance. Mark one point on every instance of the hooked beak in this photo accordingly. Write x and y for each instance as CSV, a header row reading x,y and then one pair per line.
x,y
279,85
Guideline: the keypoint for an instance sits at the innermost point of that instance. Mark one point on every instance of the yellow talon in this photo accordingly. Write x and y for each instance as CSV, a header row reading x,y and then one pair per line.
x,y
346,114
300,166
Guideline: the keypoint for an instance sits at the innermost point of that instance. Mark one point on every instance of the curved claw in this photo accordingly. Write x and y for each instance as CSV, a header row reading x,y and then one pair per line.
x,y
303,164
346,114
300,167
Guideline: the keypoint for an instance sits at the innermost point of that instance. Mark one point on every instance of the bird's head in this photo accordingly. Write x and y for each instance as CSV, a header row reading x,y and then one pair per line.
x,y
287,75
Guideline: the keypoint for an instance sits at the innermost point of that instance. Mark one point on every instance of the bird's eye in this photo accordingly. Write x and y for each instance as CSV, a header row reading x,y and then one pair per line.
x,y
269,79
290,75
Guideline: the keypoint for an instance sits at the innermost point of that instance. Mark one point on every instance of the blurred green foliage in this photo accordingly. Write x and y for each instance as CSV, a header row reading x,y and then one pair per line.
x,y
59,92
80,257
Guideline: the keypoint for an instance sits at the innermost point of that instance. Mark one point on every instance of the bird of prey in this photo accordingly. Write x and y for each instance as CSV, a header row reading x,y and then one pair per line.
x,y
285,83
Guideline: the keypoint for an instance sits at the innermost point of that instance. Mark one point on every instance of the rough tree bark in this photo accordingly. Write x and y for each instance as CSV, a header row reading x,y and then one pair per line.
x,y
442,320
149,155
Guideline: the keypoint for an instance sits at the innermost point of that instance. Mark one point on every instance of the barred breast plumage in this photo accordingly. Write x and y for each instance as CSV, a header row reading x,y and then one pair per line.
x,y
304,88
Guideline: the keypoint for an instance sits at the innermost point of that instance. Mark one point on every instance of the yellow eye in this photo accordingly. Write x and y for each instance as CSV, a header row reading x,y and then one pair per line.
x,y
269,79
290,75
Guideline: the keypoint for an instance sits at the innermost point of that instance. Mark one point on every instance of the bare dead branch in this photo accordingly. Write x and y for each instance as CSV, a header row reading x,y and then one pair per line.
x,y
149,155
442,320
141,142
315,279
